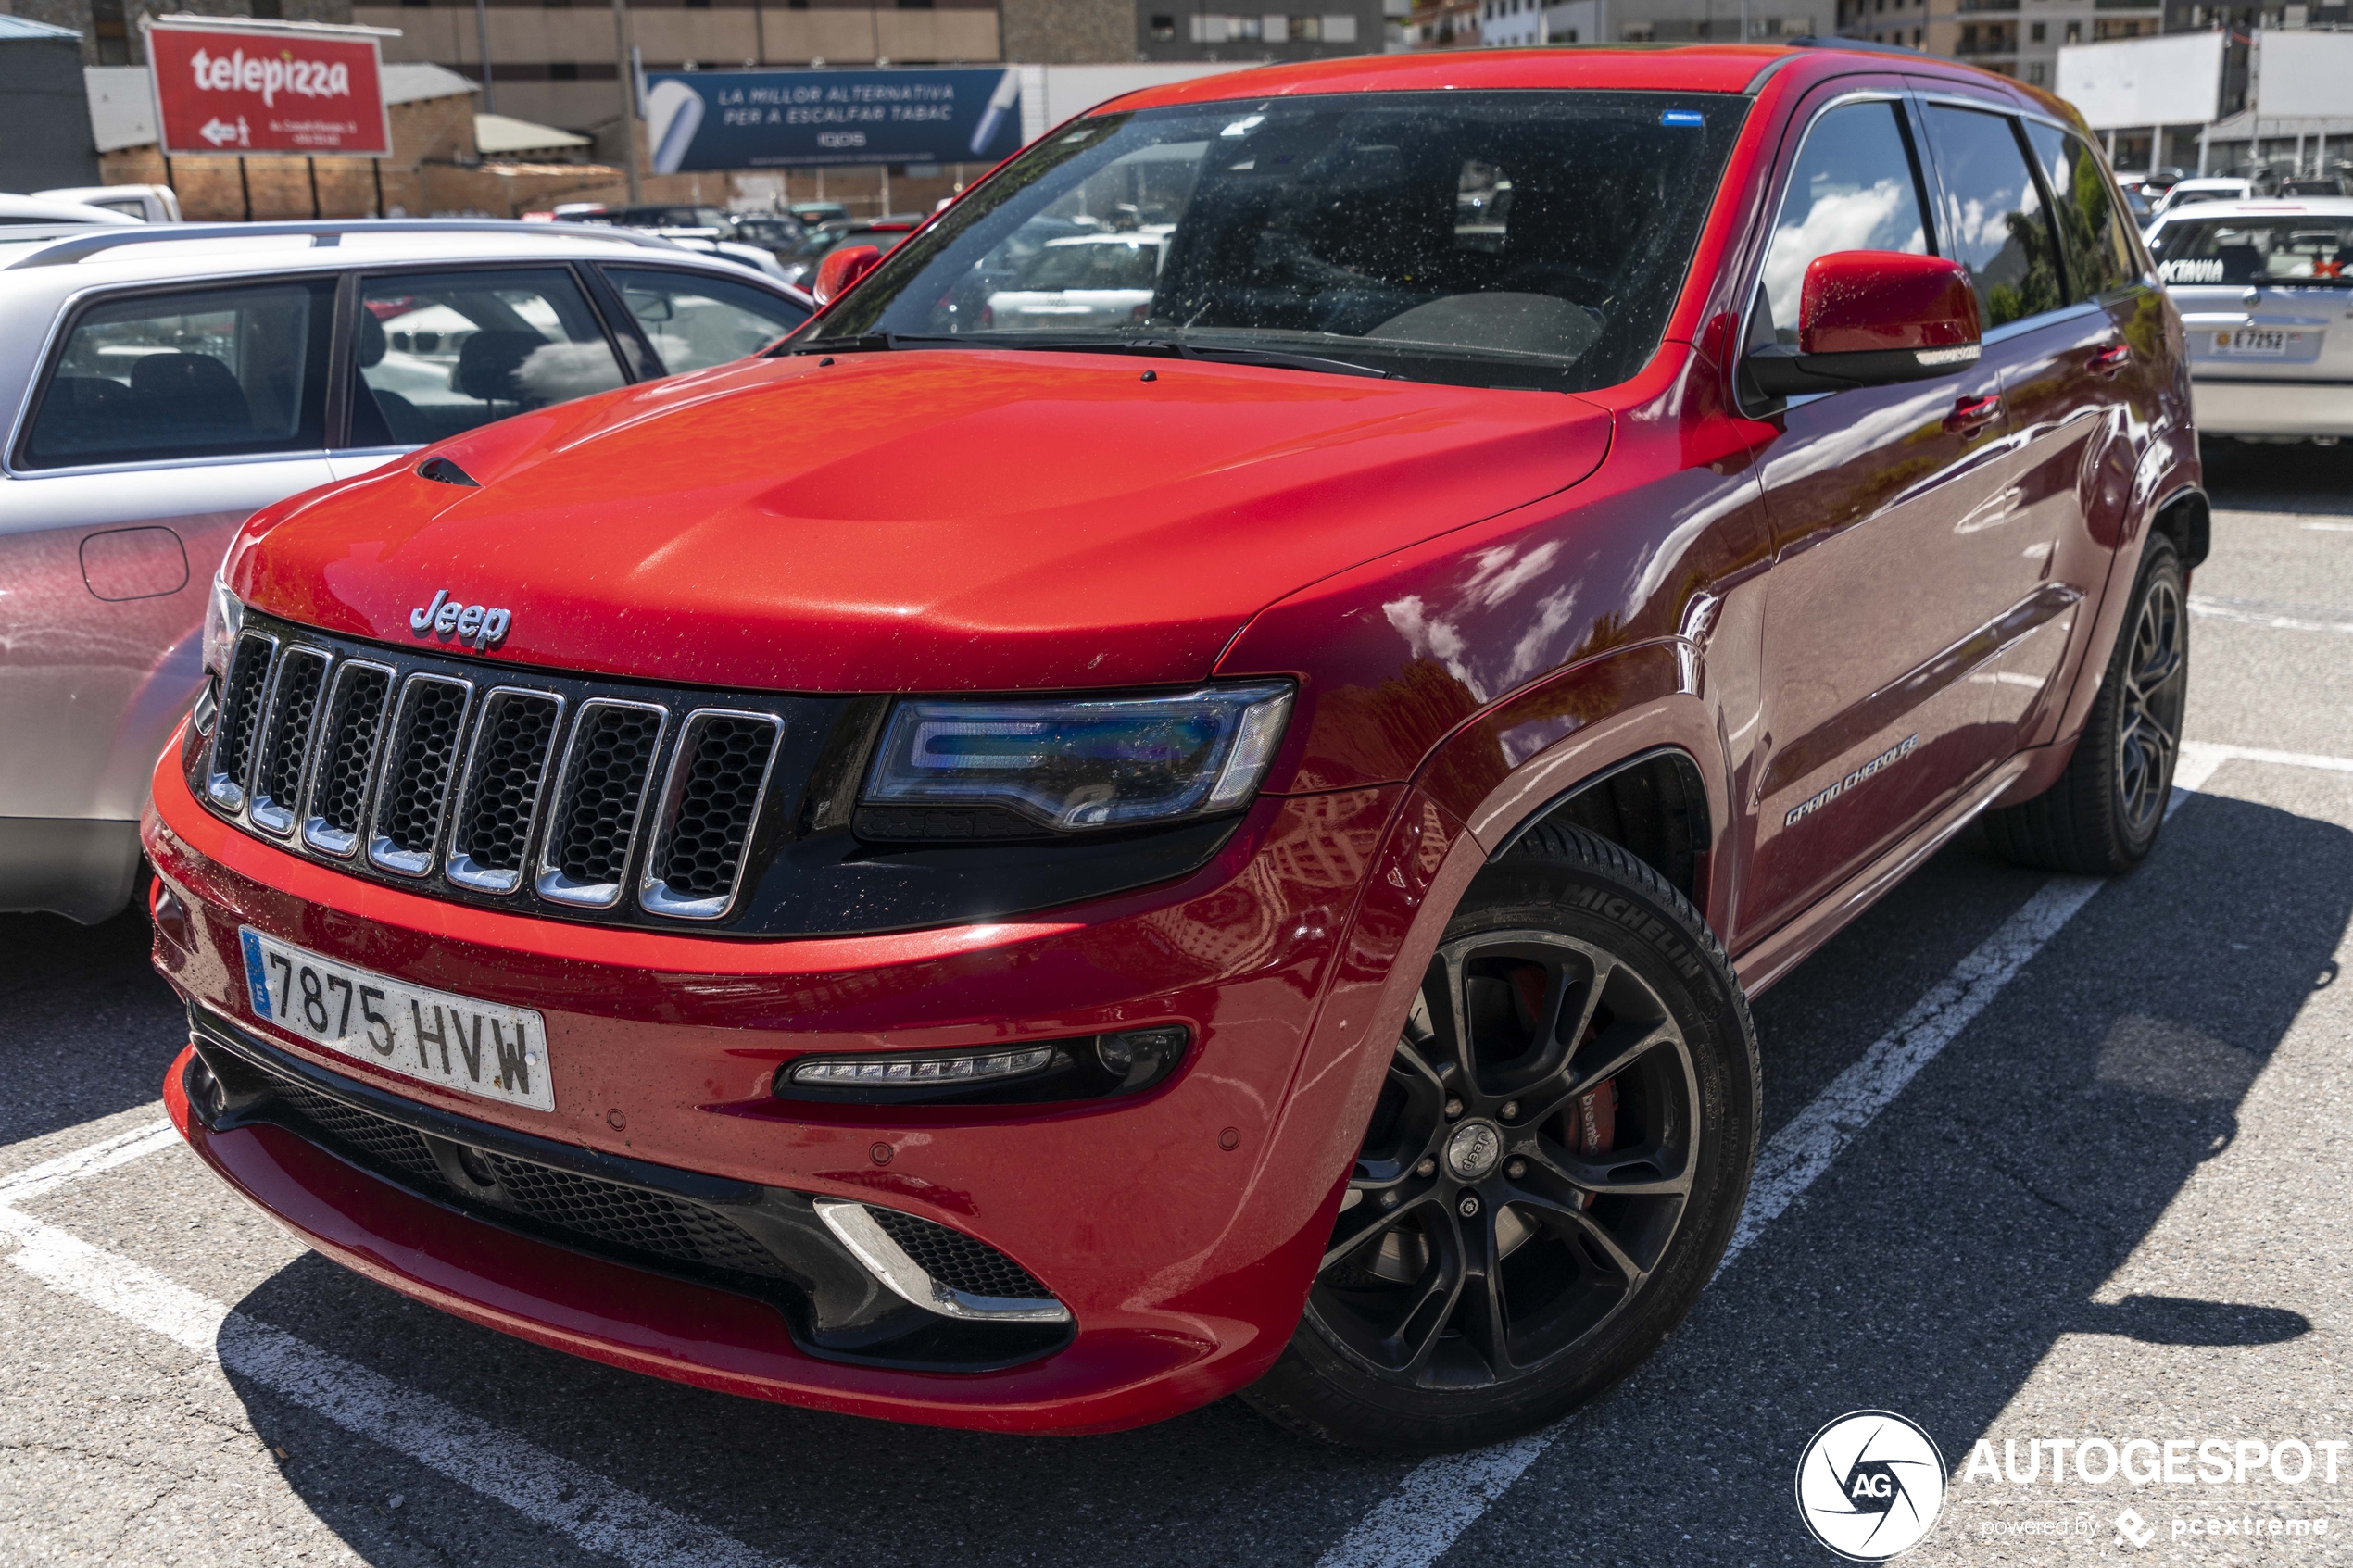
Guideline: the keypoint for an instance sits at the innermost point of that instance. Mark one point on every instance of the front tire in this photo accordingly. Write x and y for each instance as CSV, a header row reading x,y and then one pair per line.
x,y
2102,816
1553,1167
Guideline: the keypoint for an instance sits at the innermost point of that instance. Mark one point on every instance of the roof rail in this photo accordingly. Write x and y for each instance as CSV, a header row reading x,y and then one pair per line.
x,y
1866,45
63,253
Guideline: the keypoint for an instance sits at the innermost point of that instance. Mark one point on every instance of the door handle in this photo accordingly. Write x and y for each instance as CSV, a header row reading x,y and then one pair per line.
x,y
2109,361
1974,413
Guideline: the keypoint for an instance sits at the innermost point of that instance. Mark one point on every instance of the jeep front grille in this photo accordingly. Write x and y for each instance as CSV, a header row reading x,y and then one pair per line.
x,y
565,793
346,757
285,739
417,776
489,840
608,764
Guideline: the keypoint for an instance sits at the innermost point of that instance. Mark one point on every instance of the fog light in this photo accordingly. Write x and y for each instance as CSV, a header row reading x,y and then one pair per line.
x,y
1138,1056
920,1072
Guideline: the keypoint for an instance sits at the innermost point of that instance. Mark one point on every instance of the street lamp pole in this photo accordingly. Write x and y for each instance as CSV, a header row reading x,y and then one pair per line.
x,y
628,98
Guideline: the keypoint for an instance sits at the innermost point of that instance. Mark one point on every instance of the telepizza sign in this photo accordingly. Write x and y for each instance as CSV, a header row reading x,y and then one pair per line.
x,y
254,90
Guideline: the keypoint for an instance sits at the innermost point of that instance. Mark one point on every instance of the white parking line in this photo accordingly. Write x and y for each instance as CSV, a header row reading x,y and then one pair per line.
x,y
2246,616
1415,1526
543,1486
2328,528
2196,750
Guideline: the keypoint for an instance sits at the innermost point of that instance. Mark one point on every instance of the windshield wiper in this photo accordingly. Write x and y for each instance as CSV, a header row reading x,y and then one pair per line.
x,y
874,343
1176,348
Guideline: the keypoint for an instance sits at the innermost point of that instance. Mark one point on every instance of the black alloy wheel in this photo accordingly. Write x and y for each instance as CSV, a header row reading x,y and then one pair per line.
x,y
2102,816
1528,1165
2155,687
1553,1164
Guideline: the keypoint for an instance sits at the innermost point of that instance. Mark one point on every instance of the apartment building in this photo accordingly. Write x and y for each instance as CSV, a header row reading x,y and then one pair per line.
x,y
1508,23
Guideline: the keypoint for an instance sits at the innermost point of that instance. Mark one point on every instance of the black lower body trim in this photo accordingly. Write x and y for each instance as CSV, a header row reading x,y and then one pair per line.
x,y
754,1240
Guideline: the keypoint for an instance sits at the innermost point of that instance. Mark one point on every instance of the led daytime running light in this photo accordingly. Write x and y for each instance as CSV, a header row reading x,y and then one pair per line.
x,y
943,1070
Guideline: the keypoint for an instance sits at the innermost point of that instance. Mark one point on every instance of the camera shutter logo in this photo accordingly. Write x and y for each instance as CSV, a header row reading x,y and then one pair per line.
x,y
1870,1486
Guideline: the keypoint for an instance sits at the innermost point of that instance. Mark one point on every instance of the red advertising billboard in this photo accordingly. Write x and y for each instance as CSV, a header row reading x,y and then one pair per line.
x,y
258,90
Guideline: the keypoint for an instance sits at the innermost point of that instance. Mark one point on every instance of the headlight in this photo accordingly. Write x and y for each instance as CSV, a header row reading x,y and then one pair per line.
x,y
1081,762
223,619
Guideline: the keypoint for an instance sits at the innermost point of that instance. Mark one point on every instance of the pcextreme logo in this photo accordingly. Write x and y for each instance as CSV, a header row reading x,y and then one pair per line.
x,y
1870,1486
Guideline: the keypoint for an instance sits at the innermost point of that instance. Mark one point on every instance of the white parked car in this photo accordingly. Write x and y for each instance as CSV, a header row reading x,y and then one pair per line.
x,y
148,204
2265,289
2206,188
1082,282
159,385
47,211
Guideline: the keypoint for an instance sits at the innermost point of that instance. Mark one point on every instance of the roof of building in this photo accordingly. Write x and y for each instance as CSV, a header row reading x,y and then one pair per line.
x,y
122,105
15,27
499,135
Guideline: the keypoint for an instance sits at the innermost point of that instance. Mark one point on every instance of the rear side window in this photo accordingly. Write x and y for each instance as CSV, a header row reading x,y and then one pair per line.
x,y
2099,257
1993,217
694,322
212,373
440,353
1853,188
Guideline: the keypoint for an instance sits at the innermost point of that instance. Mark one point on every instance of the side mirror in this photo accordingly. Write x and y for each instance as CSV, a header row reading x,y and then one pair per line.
x,y
843,265
1868,317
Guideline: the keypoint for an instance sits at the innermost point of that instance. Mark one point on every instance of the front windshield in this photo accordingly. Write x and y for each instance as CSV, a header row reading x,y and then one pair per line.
x,y
1493,238
2289,249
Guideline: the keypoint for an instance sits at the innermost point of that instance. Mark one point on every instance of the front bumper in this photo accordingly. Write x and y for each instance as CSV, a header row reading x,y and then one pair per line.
x,y
1181,1227
2271,408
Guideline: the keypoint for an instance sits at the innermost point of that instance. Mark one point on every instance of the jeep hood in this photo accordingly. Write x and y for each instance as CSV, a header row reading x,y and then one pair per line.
x,y
940,521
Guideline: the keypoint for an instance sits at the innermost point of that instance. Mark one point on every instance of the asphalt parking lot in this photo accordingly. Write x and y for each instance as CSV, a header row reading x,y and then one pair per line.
x,y
2046,1161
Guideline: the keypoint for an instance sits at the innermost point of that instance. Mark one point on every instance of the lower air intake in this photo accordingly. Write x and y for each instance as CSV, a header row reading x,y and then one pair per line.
x,y
957,1261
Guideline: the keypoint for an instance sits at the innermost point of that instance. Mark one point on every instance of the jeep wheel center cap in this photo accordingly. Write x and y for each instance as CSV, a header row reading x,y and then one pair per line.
x,y
1473,1151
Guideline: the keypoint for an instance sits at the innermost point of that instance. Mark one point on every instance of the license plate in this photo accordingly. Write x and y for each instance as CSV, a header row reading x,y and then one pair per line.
x,y
474,1047
2256,344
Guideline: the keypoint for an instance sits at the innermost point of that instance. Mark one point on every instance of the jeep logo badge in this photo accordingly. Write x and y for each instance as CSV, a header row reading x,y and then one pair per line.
x,y
446,617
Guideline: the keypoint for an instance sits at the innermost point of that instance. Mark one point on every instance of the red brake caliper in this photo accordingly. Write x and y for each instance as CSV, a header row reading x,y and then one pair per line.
x,y
1593,1123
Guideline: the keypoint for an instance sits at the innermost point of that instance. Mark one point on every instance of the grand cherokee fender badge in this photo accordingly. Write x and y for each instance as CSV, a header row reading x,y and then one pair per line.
x,y
444,618
1892,755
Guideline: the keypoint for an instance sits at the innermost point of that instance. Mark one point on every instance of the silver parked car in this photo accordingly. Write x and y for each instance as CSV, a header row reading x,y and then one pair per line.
x,y
2265,289
159,385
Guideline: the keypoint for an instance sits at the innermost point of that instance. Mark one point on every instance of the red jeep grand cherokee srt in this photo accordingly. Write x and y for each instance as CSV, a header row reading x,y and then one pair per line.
x,y
1219,847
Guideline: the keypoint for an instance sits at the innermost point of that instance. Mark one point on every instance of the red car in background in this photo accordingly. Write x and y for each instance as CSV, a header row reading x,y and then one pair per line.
x,y
1222,851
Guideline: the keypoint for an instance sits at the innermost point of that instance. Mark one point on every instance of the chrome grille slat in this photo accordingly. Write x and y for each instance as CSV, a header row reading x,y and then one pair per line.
x,y
506,769
419,767
229,771
710,801
346,757
293,709
601,799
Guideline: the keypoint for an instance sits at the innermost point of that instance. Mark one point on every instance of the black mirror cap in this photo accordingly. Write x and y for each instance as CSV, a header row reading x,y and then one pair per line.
x,y
1778,371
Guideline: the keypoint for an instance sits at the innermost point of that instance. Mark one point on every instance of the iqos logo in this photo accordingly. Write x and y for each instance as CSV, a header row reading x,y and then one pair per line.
x,y
446,617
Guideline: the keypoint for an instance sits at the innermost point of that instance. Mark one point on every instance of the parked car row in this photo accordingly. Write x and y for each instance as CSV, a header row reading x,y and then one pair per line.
x,y
157,387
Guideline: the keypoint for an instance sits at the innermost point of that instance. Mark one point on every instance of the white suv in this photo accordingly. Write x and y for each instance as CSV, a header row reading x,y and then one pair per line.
x,y
2265,289
159,385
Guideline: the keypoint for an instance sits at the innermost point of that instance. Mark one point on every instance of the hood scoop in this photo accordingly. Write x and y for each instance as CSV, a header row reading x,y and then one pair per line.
x,y
441,471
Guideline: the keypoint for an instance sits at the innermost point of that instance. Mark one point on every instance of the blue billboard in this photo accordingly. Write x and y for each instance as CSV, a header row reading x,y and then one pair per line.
x,y
793,118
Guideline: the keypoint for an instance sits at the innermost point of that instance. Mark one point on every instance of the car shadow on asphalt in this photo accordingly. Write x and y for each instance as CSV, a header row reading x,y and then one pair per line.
x,y
1930,1272
2244,476
86,1025
1936,1266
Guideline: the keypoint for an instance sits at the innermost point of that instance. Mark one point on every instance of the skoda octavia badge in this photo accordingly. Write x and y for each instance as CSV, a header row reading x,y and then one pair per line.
x,y
446,618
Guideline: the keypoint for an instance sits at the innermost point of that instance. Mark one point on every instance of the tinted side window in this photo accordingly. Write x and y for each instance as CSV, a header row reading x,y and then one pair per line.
x,y
216,372
1853,188
694,321
439,353
1993,217
2100,257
